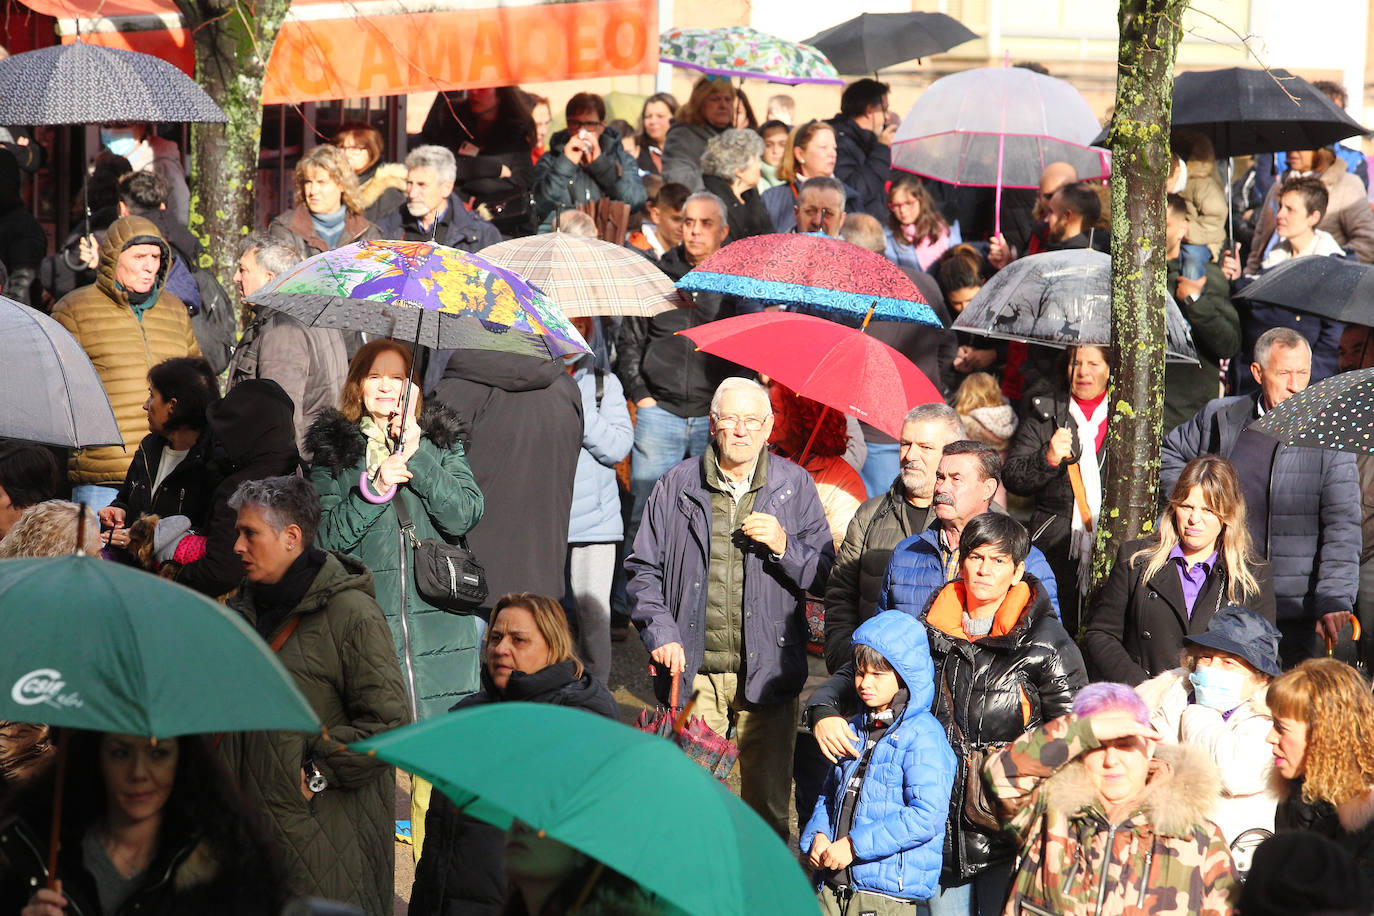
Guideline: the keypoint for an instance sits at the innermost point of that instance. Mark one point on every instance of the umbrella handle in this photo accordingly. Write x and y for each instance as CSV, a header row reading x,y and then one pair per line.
x,y
55,839
809,442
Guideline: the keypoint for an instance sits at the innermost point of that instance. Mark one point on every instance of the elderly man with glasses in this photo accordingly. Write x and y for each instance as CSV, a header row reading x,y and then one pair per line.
x,y
729,545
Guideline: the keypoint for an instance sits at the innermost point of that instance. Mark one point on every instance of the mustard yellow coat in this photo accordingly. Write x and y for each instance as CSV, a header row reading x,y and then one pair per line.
x,y
123,347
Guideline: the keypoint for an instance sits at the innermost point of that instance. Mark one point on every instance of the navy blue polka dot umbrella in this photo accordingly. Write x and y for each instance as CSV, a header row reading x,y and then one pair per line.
x,y
1336,413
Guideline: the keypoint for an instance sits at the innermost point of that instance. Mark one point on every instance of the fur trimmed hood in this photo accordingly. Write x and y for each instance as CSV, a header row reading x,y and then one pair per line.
x,y
1180,795
1357,814
385,177
336,442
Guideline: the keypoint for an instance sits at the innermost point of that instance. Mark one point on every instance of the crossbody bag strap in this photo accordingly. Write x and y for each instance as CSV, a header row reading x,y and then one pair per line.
x,y
275,645
953,715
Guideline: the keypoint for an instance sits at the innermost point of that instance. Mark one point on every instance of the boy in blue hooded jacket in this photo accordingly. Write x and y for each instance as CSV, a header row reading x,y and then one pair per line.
x,y
878,831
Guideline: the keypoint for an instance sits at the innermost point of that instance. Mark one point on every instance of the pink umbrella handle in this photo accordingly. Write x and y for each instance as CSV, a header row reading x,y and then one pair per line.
x,y
369,495
997,201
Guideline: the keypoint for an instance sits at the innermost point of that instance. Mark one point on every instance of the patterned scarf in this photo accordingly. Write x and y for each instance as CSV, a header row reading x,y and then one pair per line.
x,y
378,448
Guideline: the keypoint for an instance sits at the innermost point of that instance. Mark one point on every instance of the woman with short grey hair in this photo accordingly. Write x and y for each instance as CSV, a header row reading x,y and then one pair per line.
x,y
730,169
316,611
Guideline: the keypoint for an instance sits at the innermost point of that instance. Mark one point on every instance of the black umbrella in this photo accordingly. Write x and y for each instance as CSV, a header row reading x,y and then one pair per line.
x,y
49,391
1256,111
871,41
1332,287
1244,111
1335,413
90,84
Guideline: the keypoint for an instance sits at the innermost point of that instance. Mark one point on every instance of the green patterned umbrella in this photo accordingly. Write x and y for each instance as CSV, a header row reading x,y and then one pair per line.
x,y
747,53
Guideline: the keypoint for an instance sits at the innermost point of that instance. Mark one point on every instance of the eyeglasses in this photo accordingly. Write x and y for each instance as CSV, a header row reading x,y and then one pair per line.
x,y
574,124
824,213
753,424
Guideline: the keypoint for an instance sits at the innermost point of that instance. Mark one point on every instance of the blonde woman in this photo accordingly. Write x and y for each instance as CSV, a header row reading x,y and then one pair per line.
x,y
527,656
329,205
811,154
1168,586
1323,747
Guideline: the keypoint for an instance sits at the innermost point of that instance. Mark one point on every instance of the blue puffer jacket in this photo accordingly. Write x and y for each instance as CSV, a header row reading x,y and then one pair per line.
x,y
1314,509
898,829
915,573
606,439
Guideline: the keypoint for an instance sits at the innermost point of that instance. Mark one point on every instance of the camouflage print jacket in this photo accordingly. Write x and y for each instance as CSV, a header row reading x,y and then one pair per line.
x,y
1166,859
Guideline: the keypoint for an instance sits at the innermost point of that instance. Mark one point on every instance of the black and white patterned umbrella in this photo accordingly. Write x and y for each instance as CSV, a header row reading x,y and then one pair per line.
x,y
1062,299
91,84
1336,413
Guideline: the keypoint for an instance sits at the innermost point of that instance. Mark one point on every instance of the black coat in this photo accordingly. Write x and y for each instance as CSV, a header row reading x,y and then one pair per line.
x,y
522,421
1001,686
655,361
186,876
460,873
1027,473
1135,629
254,436
185,491
1351,828
747,217
458,228
863,164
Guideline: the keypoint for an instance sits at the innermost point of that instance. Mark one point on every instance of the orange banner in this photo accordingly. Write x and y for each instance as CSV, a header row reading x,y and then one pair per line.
x,y
446,49
333,50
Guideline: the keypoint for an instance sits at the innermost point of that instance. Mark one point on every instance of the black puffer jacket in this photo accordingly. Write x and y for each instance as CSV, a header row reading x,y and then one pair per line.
x,y
460,873
185,491
1000,686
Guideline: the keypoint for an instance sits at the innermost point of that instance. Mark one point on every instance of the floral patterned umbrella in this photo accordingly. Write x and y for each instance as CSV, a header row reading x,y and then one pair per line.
x,y
425,293
746,53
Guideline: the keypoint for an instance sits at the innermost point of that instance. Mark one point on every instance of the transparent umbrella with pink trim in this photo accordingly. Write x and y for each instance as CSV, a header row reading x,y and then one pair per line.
x,y
998,127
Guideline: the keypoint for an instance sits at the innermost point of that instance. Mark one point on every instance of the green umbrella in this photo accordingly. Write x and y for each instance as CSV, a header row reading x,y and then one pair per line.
x,y
627,799
110,648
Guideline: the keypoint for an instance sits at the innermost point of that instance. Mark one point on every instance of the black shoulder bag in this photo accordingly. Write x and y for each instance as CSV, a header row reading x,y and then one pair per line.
x,y
448,576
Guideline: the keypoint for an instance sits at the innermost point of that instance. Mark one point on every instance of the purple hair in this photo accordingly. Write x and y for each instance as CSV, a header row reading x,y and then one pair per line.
x,y
1096,698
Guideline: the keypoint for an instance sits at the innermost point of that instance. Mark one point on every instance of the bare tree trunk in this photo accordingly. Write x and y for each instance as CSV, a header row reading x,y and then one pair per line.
x,y
1150,32
233,43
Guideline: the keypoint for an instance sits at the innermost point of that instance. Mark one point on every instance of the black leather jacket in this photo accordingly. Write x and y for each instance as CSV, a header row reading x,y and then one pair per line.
x,y
998,687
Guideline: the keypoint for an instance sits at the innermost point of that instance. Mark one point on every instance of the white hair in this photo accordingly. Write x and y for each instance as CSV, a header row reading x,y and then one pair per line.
x,y
739,383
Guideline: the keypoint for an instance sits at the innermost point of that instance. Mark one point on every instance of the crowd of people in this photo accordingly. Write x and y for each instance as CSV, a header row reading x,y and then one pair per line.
x,y
989,734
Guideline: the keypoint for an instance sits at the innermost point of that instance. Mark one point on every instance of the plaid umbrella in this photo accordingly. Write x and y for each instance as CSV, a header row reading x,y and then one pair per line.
x,y
90,84
746,53
811,271
698,740
425,293
588,277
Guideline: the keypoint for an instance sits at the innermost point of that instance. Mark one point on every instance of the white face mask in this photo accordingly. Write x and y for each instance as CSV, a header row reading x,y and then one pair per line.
x,y
1182,181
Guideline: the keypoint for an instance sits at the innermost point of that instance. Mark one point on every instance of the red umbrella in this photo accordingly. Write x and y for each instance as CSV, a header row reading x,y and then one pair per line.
x,y
841,367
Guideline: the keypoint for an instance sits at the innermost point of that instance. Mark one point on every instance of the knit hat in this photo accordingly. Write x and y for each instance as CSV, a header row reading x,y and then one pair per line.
x,y
1299,873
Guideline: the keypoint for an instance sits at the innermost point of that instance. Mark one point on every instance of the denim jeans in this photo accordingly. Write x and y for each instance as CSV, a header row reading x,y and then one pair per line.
x,y
95,496
881,467
662,439
985,894
1193,260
